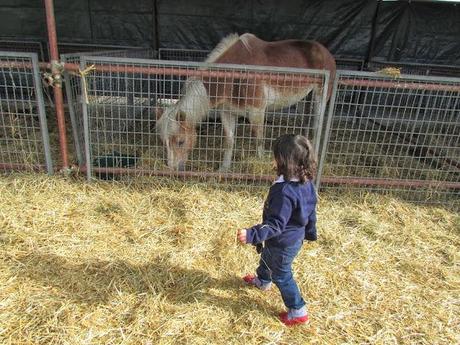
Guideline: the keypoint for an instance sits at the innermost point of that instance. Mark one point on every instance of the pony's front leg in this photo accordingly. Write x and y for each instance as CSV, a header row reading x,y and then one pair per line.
x,y
257,119
229,125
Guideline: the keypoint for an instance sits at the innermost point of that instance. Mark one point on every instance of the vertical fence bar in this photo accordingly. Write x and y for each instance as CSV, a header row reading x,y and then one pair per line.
x,y
86,129
71,102
42,115
322,110
325,141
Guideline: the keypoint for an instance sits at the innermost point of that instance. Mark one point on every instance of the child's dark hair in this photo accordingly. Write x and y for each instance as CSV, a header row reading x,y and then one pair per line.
x,y
295,157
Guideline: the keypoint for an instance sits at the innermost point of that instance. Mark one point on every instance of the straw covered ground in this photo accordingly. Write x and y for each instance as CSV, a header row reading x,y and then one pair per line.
x,y
158,263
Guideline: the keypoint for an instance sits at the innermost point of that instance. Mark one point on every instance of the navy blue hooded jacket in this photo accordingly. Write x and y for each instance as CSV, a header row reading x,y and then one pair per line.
x,y
289,215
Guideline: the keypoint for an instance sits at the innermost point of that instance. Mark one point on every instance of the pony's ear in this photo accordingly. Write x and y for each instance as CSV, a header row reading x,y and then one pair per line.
x,y
181,116
159,112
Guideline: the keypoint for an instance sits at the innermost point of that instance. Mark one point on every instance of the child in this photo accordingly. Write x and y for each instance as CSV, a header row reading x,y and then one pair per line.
x,y
289,217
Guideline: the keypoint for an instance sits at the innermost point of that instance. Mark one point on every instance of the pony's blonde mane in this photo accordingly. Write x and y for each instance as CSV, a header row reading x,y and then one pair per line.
x,y
194,103
222,47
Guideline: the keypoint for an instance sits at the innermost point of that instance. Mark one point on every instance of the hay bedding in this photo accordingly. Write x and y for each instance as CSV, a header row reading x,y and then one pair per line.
x,y
159,264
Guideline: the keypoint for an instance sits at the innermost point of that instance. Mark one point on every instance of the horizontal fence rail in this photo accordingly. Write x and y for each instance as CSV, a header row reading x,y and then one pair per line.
x,y
398,136
24,139
208,111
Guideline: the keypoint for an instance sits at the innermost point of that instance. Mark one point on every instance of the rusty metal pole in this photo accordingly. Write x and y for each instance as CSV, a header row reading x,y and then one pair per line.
x,y
56,70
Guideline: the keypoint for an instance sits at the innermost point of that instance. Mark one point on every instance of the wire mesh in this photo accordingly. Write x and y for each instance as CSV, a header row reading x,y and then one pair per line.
x,y
198,107
24,140
25,46
72,84
183,54
79,48
397,136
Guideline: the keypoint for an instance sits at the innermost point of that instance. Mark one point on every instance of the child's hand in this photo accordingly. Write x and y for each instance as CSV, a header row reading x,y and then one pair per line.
x,y
242,236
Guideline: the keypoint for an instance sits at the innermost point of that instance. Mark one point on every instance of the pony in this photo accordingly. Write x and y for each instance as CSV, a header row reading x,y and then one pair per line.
x,y
235,97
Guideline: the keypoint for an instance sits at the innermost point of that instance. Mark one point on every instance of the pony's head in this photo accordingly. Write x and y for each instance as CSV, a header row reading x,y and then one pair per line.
x,y
177,123
177,134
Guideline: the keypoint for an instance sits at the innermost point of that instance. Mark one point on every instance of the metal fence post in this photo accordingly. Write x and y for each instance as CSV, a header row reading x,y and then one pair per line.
x,y
57,81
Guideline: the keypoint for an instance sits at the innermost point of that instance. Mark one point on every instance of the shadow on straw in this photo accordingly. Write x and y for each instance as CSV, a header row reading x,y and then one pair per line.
x,y
99,281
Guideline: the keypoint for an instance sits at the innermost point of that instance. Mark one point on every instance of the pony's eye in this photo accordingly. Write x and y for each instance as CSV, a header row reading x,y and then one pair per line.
x,y
181,143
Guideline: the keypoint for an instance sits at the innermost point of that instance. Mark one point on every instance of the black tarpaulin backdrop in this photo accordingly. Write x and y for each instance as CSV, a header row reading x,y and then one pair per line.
x,y
427,32
418,32
343,26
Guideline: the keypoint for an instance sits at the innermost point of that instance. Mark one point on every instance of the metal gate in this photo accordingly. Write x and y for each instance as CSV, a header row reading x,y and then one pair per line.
x,y
123,139
394,135
24,139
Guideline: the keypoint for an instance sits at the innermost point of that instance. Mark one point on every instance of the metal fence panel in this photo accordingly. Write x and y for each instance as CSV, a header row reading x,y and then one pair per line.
x,y
349,64
182,54
197,55
123,140
24,140
79,48
26,46
72,84
417,68
394,135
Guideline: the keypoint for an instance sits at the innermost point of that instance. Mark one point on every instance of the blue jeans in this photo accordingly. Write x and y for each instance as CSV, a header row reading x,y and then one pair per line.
x,y
276,266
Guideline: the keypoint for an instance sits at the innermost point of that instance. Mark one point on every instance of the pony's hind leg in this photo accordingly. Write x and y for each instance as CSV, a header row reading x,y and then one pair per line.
x,y
229,125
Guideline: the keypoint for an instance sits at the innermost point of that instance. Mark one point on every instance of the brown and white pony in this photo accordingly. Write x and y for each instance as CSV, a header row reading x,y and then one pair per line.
x,y
236,97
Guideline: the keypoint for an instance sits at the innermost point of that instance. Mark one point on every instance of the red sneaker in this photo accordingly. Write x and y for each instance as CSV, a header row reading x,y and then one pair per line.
x,y
252,280
294,321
